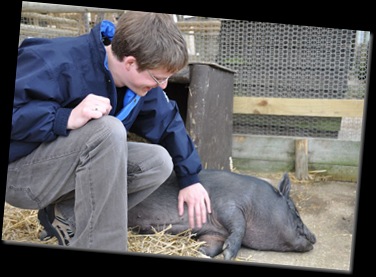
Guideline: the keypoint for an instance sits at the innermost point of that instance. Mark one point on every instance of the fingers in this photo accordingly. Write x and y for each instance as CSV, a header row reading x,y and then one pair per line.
x,y
180,206
208,204
191,211
201,210
191,217
198,204
91,107
101,110
97,106
197,214
200,215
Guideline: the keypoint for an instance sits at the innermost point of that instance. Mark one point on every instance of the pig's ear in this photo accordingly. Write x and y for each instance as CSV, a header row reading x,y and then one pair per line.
x,y
284,185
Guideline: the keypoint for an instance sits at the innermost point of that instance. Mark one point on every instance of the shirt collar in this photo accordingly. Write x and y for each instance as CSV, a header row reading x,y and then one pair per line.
x,y
107,33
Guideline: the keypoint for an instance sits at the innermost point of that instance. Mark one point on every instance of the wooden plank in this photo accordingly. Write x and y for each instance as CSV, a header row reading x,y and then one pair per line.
x,y
206,110
299,107
50,18
57,8
265,148
200,26
260,166
301,159
209,114
38,31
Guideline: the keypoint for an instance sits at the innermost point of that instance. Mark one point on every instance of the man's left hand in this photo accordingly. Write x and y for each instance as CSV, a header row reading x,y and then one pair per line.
x,y
198,203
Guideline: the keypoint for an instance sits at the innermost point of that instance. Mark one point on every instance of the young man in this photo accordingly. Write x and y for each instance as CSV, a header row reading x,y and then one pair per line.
x,y
75,99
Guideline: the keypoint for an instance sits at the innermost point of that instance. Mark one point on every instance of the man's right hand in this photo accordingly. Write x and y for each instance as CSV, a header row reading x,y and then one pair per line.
x,y
92,107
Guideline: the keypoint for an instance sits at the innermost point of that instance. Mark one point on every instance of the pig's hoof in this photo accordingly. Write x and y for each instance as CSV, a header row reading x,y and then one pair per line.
x,y
228,255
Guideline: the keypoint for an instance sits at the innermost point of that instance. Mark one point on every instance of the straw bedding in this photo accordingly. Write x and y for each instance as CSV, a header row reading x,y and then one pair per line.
x,y
21,225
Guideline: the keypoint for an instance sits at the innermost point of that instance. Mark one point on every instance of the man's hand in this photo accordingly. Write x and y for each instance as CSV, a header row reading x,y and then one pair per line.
x,y
92,107
198,203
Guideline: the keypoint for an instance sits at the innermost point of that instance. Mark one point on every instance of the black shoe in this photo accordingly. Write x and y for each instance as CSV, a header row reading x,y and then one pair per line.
x,y
54,226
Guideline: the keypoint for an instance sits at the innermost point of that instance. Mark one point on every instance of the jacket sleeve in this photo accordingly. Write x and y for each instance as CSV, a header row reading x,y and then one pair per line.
x,y
38,115
160,122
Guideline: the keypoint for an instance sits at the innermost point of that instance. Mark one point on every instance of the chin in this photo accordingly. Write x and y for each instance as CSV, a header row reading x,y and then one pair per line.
x,y
144,92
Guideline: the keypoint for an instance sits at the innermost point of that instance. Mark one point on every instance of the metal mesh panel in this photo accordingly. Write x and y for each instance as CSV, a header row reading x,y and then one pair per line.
x,y
287,61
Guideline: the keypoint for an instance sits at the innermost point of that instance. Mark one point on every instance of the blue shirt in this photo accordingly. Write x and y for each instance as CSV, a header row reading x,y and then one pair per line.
x,y
130,101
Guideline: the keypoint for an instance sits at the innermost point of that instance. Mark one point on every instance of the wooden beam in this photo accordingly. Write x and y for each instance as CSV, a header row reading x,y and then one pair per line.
x,y
298,107
32,30
301,159
200,26
57,8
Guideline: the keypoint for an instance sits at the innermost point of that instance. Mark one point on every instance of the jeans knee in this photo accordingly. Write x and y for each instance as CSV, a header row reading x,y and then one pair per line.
x,y
111,127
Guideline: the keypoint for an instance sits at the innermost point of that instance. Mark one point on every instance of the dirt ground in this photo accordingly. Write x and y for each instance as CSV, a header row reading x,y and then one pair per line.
x,y
328,208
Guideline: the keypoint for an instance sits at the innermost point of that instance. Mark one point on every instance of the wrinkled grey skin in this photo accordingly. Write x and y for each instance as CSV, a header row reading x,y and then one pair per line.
x,y
246,211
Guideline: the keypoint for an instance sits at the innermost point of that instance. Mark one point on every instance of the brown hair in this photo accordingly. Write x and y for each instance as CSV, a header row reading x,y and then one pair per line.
x,y
152,38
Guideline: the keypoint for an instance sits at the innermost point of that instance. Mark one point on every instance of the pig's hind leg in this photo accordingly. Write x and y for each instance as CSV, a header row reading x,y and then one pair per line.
x,y
235,225
227,241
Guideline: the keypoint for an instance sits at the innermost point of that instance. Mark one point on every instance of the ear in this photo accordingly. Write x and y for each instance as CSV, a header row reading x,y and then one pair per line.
x,y
285,185
129,61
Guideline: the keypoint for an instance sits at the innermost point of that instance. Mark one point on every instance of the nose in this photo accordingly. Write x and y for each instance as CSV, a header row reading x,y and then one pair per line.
x,y
164,85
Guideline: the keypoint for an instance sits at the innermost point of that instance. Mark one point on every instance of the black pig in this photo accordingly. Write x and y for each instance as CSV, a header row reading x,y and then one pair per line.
x,y
246,211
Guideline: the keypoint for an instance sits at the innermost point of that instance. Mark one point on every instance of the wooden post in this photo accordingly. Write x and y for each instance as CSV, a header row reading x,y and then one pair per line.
x,y
301,159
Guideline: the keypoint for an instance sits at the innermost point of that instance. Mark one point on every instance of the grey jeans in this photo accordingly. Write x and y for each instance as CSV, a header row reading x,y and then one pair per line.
x,y
94,175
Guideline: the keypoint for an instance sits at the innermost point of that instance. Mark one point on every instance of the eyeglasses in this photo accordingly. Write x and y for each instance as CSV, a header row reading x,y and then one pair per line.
x,y
158,81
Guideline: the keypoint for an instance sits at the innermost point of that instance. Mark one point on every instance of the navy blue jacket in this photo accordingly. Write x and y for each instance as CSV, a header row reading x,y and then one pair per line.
x,y
54,75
